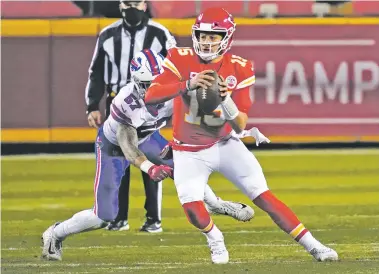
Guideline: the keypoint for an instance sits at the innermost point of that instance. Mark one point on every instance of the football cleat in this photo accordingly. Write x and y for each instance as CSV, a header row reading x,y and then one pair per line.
x,y
238,211
51,246
219,254
121,225
150,227
324,254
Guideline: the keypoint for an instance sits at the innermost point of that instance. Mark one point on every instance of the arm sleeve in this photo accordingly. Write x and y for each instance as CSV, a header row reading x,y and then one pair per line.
x,y
165,87
246,75
242,99
246,79
95,85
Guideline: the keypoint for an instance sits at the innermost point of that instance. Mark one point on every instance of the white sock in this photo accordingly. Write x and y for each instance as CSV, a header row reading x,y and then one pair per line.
x,y
82,221
309,242
210,197
214,235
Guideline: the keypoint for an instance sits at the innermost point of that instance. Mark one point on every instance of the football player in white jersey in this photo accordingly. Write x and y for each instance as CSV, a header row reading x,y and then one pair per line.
x,y
130,135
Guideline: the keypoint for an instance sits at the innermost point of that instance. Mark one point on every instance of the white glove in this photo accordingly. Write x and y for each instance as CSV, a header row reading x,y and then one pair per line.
x,y
256,134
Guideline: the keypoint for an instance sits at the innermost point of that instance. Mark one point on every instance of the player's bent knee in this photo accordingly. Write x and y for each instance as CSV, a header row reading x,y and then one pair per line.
x,y
103,218
107,215
107,218
253,186
197,214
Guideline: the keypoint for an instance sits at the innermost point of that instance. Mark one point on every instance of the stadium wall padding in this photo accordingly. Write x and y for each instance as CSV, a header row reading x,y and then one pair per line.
x,y
317,78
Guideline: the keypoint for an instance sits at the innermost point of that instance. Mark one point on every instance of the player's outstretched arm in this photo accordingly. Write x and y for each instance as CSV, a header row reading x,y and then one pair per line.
x,y
165,87
128,141
158,93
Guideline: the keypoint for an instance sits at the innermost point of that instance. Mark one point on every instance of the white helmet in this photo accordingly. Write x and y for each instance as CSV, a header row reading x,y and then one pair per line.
x,y
144,67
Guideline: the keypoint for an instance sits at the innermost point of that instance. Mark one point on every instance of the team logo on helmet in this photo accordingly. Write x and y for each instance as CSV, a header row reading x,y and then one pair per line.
x,y
136,64
231,81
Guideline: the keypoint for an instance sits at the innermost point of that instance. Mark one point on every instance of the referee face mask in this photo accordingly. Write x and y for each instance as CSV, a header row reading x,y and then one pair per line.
x,y
133,12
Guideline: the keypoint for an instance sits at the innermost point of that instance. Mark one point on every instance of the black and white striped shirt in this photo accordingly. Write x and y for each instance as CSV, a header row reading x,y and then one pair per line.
x,y
115,48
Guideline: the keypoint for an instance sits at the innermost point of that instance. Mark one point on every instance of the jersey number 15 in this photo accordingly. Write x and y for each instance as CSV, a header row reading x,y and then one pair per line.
x,y
192,116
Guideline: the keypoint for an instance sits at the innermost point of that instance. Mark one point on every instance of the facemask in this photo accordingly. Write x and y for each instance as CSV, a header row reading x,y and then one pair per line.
x,y
132,16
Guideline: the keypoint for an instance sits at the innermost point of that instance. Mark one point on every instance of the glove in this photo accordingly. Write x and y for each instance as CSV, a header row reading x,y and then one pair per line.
x,y
166,152
256,134
159,173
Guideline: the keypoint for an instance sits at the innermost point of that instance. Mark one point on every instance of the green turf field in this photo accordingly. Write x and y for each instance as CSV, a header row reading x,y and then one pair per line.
x,y
334,193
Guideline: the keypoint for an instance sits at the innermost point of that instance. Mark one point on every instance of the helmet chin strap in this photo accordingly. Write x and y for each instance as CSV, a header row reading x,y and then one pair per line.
x,y
208,56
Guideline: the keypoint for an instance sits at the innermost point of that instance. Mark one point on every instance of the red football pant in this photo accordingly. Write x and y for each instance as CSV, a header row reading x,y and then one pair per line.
x,y
198,216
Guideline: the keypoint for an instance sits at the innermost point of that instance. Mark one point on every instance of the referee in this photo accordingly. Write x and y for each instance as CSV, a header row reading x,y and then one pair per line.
x,y
109,71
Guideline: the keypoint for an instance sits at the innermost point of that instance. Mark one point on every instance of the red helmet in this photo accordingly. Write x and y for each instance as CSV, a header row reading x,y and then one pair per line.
x,y
216,20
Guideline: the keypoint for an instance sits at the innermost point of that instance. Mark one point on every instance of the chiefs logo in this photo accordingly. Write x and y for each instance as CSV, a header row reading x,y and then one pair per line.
x,y
231,81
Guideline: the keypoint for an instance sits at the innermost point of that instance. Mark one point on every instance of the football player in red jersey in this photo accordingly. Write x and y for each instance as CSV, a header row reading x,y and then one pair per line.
x,y
206,143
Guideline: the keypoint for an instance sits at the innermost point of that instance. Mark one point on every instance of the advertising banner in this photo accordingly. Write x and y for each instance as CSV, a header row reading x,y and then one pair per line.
x,y
316,79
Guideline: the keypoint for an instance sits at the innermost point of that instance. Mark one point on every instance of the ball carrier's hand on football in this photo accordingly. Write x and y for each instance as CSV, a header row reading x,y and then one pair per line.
x,y
201,80
223,87
216,95
209,99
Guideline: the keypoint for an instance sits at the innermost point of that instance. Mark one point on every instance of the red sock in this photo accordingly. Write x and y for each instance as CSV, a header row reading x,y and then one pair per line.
x,y
198,215
281,214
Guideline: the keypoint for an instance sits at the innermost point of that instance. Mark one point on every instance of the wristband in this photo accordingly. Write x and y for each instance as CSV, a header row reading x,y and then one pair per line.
x,y
229,108
183,87
146,165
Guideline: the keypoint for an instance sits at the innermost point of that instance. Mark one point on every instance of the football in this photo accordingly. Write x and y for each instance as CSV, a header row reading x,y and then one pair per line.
x,y
210,98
